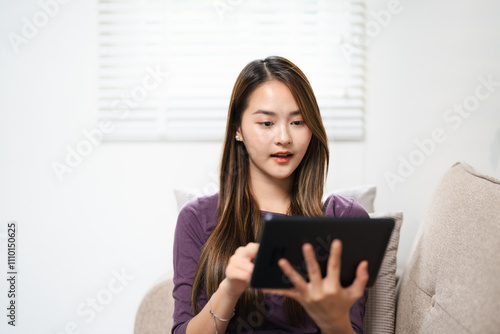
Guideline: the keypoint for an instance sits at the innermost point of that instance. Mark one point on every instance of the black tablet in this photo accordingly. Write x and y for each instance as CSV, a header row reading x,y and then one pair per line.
x,y
283,237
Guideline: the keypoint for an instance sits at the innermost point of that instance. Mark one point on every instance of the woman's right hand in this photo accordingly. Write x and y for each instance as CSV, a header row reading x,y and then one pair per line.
x,y
238,273
239,270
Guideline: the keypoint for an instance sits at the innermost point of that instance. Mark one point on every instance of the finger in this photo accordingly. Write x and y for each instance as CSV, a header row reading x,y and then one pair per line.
x,y
249,251
313,269
294,277
333,267
241,260
243,264
252,249
358,286
238,274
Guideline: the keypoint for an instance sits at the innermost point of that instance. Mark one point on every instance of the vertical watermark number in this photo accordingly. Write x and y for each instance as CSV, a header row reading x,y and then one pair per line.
x,y
12,291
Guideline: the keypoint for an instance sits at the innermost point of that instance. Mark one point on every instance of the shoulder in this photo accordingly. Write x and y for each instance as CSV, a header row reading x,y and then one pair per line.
x,y
201,205
199,215
340,206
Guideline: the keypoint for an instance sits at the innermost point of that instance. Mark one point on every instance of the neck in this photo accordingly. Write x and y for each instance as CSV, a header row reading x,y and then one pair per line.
x,y
272,195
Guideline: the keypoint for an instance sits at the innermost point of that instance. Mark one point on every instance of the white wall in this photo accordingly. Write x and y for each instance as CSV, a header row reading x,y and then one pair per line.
x,y
427,59
116,211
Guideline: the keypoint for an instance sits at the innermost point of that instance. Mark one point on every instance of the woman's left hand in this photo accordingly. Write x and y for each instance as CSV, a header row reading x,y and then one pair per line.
x,y
324,299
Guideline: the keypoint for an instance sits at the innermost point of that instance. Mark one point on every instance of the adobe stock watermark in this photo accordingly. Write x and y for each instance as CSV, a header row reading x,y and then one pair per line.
x,y
87,310
453,117
209,188
120,107
321,250
373,28
223,6
31,27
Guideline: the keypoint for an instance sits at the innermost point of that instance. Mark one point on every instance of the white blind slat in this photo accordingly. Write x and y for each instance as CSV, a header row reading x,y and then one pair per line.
x,y
204,53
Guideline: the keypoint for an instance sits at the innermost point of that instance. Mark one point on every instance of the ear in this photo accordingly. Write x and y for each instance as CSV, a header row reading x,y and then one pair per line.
x,y
238,133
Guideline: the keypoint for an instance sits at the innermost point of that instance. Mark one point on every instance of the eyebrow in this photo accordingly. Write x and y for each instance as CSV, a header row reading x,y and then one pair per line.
x,y
272,113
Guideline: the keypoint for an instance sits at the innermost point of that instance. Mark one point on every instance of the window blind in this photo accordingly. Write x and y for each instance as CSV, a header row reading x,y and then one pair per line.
x,y
167,67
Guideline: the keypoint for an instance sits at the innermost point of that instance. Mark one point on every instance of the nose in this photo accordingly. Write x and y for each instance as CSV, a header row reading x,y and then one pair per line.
x,y
283,135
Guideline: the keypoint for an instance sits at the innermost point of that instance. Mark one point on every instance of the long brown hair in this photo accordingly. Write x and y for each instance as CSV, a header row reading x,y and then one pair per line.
x,y
239,218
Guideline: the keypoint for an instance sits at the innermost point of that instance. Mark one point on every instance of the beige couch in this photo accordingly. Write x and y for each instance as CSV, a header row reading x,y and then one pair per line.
x,y
451,283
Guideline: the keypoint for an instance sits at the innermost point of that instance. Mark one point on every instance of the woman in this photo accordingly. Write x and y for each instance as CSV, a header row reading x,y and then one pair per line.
x,y
275,160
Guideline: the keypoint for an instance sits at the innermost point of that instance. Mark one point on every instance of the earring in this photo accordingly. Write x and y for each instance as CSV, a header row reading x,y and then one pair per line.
x,y
238,138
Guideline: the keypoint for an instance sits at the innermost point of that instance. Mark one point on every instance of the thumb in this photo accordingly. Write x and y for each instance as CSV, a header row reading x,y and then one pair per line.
x,y
358,286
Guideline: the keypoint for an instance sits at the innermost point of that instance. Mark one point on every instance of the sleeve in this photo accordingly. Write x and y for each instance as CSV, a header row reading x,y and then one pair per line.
x,y
357,313
188,241
339,206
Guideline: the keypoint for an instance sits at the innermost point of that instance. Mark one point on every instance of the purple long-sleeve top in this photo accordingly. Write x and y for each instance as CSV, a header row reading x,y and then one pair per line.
x,y
195,223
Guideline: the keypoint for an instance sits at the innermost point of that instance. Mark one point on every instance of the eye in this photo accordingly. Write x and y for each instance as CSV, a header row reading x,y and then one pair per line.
x,y
298,123
266,124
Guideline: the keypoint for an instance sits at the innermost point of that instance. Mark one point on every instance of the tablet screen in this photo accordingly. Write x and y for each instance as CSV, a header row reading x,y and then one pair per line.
x,y
283,237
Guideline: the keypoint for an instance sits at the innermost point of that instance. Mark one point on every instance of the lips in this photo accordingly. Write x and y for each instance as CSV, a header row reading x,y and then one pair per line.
x,y
282,157
284,154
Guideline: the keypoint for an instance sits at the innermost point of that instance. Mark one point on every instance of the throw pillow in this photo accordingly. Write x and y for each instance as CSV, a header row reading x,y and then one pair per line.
x,y
381,303
364,195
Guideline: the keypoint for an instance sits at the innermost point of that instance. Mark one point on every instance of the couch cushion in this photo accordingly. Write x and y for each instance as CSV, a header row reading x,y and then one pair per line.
x,y
451,282
381,304
155,312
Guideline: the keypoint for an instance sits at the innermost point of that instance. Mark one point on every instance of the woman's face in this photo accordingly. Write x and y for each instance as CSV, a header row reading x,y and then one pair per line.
x,y
273,132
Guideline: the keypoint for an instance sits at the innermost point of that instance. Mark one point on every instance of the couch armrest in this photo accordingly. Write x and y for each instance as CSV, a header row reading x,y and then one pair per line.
x,y
154,315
